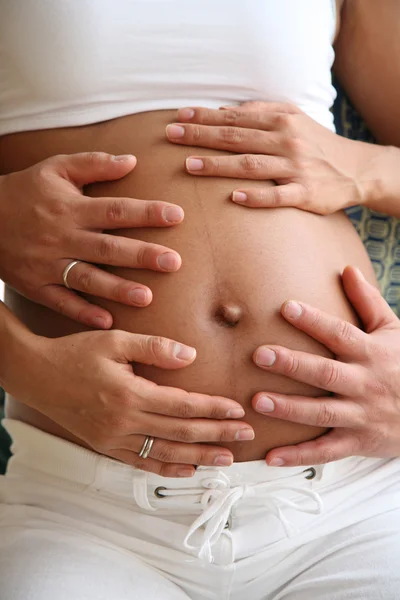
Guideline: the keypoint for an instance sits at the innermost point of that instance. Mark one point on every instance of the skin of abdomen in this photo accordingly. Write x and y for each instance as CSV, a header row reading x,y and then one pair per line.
x,y
234,259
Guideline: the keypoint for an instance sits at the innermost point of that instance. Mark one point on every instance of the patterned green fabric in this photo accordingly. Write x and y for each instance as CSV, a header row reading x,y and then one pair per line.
x,y
4,439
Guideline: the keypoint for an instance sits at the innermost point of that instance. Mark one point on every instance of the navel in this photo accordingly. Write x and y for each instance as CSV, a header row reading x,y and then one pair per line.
x,y
228,315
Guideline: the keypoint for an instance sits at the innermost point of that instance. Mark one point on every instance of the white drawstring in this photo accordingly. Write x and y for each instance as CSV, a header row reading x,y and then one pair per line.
x,y
218,499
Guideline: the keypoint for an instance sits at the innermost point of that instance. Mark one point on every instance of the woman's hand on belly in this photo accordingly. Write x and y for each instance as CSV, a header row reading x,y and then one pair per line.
x,y
314,169
46,223
364,413
85,383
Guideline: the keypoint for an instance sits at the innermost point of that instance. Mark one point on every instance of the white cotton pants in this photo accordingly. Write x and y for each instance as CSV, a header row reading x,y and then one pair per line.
x,y
77,525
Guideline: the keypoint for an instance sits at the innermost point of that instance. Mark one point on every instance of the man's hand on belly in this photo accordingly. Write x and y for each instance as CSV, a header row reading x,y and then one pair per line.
x,y
364,412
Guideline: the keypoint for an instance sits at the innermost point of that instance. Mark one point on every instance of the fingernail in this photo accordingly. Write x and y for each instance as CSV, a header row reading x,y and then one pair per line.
x,y
223,461
184,352
173,214
194,164
168,261
265,404
292,310
138,296
185,113
123,157
276,462
239,197
97,323
175,131
245,434
235,413
265,357
185,472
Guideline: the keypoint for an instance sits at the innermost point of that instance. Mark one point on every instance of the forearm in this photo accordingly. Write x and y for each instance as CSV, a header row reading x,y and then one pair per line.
x,y
15,346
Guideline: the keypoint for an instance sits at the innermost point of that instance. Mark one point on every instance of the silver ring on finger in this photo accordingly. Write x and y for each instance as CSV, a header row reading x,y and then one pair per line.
x,y
67,270
147,445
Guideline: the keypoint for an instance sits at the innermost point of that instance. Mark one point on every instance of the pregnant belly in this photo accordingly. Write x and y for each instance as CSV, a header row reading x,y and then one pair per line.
x,y
239,265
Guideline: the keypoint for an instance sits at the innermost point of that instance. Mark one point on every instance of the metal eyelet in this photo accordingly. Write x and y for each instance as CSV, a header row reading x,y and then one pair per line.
x,y
228,524
157,491
311,473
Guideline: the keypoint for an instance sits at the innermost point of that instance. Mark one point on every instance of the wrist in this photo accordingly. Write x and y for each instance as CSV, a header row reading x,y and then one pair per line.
x,y
380,180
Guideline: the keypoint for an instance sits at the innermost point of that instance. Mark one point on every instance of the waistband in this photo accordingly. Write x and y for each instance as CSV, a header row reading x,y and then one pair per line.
x,y
212,491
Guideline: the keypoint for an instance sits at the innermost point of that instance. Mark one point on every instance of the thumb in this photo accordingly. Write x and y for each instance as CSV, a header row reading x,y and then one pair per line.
x,y
155,350
373,310
88,167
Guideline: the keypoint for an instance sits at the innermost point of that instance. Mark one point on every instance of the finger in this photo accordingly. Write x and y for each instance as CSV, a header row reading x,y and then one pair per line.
x,y
151,465
256,105
244,166
192,431
173,402
68,303
318,371
119,251
232,138
340,336
334,445
290,194
175,452
320,412
151,350
87,167
118,213
255,115
371,307
89,279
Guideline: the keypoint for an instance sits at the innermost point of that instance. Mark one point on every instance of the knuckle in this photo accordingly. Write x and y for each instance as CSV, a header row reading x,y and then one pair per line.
x,y
49,240
196,132
277,196
326,454
344,331
142,253
230,117
295,147
92,158
60,305
288,411
122,400
291,364
185,433
185,409
156,346
116,211
298,458
375,388
108,248
167,453
251,163
42,174
326,417
283,121
329,373
112,338
231,135
84,280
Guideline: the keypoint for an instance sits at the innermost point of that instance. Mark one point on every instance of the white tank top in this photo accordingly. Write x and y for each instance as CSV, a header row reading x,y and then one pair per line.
x,y
75,62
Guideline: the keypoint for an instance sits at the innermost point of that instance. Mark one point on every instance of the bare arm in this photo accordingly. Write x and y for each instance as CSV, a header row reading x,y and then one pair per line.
x,y
368,66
